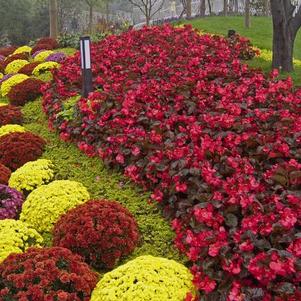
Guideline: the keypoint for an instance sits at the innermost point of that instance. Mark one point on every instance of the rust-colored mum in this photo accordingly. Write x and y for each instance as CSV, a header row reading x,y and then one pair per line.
x,y
16,149
4,174
5,51
19,56
10,115
46,274
27,69
99,230
26,91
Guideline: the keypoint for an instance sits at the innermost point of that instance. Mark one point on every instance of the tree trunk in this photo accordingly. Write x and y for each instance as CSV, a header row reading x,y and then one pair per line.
x,y
247,14
53,15
188,9
90,19
209,8
236,6
225,7
107,11
284,33
203,8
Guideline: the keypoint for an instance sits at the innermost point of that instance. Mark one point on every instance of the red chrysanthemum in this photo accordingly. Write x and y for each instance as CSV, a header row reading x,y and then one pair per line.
x,y
6,51
26,91
10,115
16,149
4,174
28,69
46,274
99,230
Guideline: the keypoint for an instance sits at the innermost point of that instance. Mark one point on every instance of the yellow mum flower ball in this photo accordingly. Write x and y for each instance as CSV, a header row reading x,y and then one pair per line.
x,y
17,237
1,75
45,205
44,67
23,49
32,175
145,278
11,82
43,55
11,128
15,66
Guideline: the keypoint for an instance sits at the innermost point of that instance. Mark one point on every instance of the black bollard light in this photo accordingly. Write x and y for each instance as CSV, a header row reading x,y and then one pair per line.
x,y
85,54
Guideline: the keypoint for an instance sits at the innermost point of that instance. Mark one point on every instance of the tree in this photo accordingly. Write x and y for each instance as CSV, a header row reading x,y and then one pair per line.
x,y
209,7
188,9
247,14
91,4
286,23
148,7
203,8
225,7
53,16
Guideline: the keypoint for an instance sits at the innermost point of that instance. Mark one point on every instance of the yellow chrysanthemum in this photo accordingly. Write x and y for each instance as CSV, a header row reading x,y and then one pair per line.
x,y
1,75
44,206
32,175
16,237
11,82
43,55
44,67
11,128
15,66
23,49
145,278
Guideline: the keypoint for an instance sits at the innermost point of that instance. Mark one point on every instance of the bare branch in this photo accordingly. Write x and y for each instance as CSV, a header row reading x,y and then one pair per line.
x,y
159,8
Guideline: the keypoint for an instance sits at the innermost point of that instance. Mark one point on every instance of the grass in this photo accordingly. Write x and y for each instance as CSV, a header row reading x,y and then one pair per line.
x,y
260,34
156,233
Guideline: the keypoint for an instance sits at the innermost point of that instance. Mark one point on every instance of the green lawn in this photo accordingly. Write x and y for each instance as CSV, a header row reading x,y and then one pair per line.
x,y
260,35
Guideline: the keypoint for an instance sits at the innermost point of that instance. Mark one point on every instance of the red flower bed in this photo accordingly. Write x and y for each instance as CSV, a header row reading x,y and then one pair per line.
x,y
46,274
99,230
16,149
10,115
4,174
217,143
27,69
26,91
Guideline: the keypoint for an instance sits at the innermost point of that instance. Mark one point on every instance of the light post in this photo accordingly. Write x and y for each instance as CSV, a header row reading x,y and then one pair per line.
x,y
85,54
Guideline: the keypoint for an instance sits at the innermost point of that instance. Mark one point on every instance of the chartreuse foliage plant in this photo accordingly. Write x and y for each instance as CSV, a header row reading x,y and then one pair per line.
x,y
16,237
44,206
12,81
145,278
32,175
156,234
11,128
